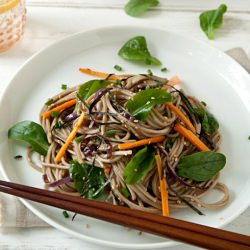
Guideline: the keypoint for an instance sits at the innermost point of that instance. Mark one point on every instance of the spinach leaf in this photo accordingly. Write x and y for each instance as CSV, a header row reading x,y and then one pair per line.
x,y
31,133
139,165
141,104
211,20
138,7
209,122
136,49
89,180
91,87
201,166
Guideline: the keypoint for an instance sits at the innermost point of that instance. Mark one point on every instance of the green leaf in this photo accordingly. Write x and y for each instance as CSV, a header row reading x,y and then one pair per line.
x,y
211,20
141,104
136,49
201,166
139,165
89,180
31,133
90,87
209,123
138,7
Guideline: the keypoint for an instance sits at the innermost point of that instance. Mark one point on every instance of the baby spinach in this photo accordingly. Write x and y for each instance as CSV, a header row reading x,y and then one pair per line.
x,y
135,49
31,133
138,7
141,104
211,20
209,123
201,166
139,165
89,180
91,87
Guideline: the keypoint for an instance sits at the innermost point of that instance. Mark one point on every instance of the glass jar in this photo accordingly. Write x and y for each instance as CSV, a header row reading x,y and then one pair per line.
x,y
12,21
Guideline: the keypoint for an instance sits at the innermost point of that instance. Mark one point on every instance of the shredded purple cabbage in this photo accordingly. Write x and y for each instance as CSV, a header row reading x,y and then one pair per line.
x,y
60,182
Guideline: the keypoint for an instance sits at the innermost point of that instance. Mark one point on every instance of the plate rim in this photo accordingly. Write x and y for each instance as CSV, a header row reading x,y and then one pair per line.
x,y
50,221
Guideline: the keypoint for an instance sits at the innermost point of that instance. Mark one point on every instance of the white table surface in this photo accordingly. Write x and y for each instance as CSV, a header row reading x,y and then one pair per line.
x,y
49,21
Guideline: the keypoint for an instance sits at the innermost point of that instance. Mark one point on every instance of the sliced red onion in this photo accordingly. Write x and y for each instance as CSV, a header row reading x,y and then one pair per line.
x,y
71,117
60,182
109,151
89,150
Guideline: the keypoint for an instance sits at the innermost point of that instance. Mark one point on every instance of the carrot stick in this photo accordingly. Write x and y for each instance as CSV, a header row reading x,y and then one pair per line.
x,y
181,116
163,188
59,108
70,138
191,137
101,74
142,142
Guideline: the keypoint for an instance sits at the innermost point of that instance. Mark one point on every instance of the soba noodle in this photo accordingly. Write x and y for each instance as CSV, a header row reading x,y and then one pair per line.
x,y
109,115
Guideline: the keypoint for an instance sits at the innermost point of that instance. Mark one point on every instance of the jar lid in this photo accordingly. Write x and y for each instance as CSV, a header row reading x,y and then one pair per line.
x,y
6,5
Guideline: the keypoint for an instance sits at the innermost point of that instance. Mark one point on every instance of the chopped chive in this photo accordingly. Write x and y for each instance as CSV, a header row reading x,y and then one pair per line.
x,y
170,143
204,103
149,71
59,124
125,192
54,113
79,139
249,137
50,101
118,68
164,69
65,214
18,157
110,132
64,86
117,82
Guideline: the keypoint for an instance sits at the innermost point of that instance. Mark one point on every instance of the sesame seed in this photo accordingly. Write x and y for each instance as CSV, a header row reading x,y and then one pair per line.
x,y
135,170
178,202
152,97
148,102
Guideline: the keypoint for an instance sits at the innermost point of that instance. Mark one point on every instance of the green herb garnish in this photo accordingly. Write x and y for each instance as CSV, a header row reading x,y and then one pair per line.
x,y
50,101
136,49
149,71
79,139
64,86
138,7
211,20
170,142
142,103
118,68
164,69
139,165
201,166
54,113
249,137
110,132
18,157
65,214
31,133
204,103
125,192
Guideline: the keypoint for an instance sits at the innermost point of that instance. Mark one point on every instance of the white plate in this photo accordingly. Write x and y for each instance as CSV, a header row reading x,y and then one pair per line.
x,y
206,73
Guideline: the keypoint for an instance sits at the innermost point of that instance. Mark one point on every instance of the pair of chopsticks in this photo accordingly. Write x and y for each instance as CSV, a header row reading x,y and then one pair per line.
x,y
191,233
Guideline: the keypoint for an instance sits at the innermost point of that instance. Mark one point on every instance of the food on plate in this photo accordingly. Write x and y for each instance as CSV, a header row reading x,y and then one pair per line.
x,y
133,140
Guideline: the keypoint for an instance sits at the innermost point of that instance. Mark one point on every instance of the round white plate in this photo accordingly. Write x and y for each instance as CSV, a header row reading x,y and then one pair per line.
x,y
206,73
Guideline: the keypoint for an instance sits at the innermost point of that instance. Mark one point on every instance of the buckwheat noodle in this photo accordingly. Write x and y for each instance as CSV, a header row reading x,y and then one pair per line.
x,y
109,114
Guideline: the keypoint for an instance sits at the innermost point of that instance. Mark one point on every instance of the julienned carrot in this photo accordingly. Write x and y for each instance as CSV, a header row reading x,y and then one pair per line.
x,y
142,142
101,74
70,138
163,188
171,82
59,108
191,137
181,116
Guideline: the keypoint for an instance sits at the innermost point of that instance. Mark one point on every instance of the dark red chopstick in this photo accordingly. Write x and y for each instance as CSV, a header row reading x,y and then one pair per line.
x,y
179,230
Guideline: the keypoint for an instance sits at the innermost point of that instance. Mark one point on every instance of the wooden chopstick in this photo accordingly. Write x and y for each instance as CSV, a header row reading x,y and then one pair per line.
x,y
191,233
